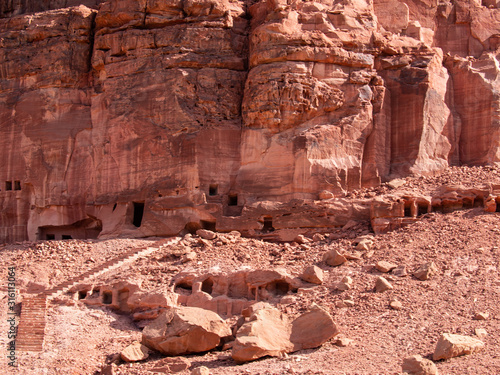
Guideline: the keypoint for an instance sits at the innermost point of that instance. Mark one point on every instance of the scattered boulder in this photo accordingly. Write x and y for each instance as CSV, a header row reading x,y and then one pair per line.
x,y
396,183
396,305
334,258
317,237
188,257
185,330
480,332
400,271
348,302
385,267
206,234
381,285
356,255
135,352
202,370
270,333
345,283
301,239
325,194
417,365
450,345
109,369
365,244
426,271
312,329
171,365
343,341
266,334
481,316
313,275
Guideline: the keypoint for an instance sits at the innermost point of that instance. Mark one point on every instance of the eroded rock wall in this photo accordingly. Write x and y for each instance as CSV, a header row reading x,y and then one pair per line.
x,y
149,117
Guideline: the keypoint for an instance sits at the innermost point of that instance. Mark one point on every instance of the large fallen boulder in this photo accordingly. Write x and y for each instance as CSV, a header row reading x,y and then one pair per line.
x,y
450,345
268,332
185,330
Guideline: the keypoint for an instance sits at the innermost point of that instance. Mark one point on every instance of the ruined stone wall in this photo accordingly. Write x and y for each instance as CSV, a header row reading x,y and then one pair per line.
x,y
149,117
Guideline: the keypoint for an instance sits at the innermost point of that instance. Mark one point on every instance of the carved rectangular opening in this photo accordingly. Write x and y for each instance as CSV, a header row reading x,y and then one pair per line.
x,y
66,237
213,189
8,185
50,237
208,225
232,200
478,202
407,211
107,298
468,203
138,214
17,185
498,207
422,209
268,224
82,294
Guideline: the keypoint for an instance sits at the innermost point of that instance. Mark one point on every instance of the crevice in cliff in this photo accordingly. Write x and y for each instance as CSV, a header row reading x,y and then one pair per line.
x,y
91,42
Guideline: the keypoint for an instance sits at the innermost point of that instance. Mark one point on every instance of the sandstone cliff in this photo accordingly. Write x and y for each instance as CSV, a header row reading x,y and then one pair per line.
x,y
149,117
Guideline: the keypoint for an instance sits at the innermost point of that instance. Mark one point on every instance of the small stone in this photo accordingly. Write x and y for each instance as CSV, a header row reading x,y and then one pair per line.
x,y
396,305
206,234
348,303
109,369
381,285
345,283
481,332
171,365
135,352
426,271
365,244
313,275
396,183
287,300
189,257
417,365
369,254
300,239
450,345
325,194
481,316
343,341
334,258
350,224
317,237
400,271
353,256
340,304
385,267
202,370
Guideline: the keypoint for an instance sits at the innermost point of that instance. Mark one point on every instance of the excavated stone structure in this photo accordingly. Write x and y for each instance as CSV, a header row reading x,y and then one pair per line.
x,y
153,117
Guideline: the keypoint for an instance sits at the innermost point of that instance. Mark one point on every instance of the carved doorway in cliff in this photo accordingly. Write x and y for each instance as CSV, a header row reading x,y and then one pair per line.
x,y
83,229
138,213
267,224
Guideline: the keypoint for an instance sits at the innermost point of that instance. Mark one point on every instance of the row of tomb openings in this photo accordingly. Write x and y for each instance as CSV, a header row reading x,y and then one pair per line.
x,y
421,208
12,185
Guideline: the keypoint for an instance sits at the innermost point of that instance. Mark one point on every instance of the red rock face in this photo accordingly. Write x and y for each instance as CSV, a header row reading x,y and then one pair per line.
x,y
139,118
